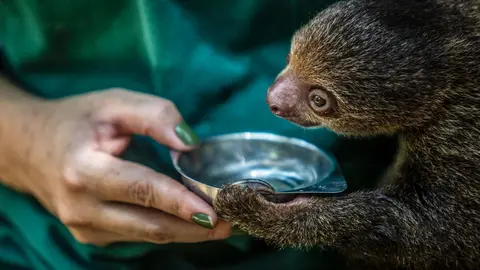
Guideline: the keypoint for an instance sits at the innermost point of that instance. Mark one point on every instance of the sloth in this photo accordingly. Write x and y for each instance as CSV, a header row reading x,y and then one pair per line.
x,y
361,68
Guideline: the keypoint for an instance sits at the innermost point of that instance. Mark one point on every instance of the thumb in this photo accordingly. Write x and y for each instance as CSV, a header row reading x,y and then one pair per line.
x,y
153,117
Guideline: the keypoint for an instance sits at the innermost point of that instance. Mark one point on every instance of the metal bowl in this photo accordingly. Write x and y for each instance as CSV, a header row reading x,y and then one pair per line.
x,y
285,165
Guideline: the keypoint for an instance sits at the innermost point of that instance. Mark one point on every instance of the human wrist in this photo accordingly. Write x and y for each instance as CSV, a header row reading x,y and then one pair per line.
x,y
19,113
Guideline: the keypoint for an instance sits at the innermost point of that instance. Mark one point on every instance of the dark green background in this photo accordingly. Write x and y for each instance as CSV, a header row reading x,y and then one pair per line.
x,y
213,58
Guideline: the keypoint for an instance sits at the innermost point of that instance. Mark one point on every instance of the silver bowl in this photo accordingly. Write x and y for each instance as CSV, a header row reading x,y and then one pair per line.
x,y
284,165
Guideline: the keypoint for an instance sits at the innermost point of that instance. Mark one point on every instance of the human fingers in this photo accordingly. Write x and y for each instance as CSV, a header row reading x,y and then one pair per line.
x,y
150,116
112,179
99,237
155,226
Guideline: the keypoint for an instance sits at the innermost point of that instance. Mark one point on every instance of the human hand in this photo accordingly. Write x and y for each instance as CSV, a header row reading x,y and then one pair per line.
x,y
67,159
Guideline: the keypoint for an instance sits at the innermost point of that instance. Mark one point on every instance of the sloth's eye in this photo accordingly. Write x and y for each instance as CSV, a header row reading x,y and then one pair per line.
x,y
318,101
321,101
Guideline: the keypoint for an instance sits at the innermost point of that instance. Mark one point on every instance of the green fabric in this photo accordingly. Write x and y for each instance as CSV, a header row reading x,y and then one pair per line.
x,y
213,58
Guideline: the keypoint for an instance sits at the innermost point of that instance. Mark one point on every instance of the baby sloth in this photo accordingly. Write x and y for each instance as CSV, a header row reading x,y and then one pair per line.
x,y
409,68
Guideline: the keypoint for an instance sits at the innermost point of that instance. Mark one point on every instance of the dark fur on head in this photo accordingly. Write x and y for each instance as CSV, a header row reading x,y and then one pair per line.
x,y
405,67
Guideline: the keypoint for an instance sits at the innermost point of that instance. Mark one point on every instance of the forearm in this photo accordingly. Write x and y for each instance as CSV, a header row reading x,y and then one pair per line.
x,y
17,114
366,223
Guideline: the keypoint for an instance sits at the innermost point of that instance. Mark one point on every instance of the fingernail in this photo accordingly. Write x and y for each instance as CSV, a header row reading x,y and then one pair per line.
x,y
203,220
186,134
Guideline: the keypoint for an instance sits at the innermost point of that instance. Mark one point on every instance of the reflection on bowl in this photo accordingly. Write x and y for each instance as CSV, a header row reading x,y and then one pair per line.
x,y
288,165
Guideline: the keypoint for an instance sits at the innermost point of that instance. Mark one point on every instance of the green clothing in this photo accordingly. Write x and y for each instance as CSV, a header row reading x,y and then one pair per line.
x,y
213,58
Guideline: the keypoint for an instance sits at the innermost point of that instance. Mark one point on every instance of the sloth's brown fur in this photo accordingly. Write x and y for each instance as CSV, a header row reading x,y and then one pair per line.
x,y
405,67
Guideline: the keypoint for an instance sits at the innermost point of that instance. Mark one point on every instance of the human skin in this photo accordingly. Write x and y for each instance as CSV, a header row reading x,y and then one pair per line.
x,y
64,152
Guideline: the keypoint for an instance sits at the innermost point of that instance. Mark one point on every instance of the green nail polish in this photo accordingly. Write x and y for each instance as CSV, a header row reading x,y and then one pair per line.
x,y
186,134
203,220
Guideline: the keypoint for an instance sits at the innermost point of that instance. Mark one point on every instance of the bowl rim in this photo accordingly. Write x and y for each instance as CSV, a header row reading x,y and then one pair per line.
x,y
175,155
